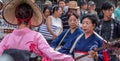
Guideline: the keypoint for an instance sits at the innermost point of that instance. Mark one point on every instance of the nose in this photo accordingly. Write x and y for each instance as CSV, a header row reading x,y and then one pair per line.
x,y
72,21
84,25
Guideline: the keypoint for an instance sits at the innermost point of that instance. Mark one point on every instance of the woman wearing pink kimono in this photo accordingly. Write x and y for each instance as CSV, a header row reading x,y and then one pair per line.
x,y
25,14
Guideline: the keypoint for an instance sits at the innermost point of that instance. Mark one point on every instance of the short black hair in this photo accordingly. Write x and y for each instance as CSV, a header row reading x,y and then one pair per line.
x,y
60,1
81,3
92,17
106,5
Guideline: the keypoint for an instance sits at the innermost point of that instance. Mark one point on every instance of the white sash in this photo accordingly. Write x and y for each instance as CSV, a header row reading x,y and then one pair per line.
x,y
59,45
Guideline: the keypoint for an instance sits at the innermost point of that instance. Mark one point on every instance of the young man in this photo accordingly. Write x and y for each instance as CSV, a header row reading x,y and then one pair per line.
x,y
62,5
108,27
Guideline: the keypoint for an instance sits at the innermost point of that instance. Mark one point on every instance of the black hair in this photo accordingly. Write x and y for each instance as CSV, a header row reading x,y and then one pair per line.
x,y
60,1
106,5
92,17
81,3
73,15
23,11
45,8
55,8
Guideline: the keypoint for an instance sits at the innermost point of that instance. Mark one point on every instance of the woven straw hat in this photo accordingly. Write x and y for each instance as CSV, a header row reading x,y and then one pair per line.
x,y
9,12
73,5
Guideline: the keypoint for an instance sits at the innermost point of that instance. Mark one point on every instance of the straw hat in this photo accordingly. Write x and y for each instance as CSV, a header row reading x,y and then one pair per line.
x,y
9,12
73,5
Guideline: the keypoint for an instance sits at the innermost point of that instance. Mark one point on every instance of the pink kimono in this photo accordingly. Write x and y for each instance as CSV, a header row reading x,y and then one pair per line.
x,y
26,39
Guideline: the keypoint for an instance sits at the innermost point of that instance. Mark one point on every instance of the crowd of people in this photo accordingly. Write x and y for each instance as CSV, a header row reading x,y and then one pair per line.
x,y
61,32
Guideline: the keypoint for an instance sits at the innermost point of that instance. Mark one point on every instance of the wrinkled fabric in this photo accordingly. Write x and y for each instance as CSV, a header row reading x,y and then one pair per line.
x,y
26,39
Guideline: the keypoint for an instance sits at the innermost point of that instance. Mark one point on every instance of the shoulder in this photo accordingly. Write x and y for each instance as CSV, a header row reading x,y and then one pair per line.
x,y
49,17
65,30
36,34
98,38
79,30
116,21
7,37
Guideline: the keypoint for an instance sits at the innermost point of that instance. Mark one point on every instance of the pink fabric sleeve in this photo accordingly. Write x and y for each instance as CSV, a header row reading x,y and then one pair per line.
x,y
44,47
3,45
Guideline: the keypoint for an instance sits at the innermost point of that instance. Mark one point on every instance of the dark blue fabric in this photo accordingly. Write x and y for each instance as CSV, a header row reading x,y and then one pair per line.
x,y
68,37
84,45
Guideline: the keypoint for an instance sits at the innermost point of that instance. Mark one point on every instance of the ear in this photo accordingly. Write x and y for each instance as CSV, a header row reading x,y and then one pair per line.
x,y
94,25
103,11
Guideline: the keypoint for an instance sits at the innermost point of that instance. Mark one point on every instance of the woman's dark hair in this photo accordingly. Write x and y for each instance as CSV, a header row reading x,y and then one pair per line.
x,y
23,13
92,17
45,8
55,8
73,15
106,5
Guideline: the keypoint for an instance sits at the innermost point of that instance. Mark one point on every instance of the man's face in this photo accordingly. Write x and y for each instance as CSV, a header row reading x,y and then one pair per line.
x,y
92,7
61,4
108,13
85,6
71,11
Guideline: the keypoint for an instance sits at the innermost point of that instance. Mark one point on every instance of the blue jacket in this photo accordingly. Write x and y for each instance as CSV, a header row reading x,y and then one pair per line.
x,y
67,38
84,45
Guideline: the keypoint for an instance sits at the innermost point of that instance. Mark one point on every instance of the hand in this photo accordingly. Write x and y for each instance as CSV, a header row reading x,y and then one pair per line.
x,y
54,36
92,54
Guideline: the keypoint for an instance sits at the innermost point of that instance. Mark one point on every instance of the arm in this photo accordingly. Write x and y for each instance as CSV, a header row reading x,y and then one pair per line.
x,y
2,44
96,50
62,27
66,48
49,23
55,42
49,52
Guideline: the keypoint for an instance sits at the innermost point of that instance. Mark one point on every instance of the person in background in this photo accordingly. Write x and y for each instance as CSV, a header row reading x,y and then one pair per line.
x,y
108,28
43,28
83,8
87,42
91,8
72,8
55,21
62,4
26,14
68,34
46,13
117,11
48,3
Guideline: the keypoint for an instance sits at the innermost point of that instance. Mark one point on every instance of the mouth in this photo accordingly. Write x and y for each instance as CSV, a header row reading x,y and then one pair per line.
x,y
84,29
